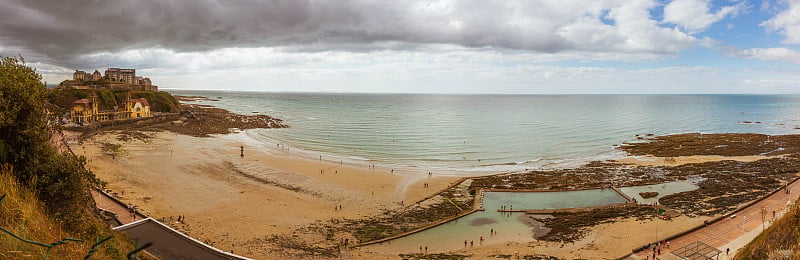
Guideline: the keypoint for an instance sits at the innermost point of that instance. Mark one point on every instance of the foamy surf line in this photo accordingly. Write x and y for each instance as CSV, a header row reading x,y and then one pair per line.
x,y
277,147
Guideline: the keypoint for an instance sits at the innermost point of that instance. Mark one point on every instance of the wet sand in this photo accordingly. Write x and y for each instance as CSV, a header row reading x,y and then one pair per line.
x,y
680,160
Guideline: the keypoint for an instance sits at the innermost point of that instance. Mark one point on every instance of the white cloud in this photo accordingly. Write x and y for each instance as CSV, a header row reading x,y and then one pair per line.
x,y
695,15
786,22
467,78
768,54
449,69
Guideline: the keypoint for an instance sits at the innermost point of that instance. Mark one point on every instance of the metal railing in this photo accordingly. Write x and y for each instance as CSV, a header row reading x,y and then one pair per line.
x,y
131,255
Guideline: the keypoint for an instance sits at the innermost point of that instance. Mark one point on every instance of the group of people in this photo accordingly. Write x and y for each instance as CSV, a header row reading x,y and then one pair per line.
x,y
472,242
657,248
132,211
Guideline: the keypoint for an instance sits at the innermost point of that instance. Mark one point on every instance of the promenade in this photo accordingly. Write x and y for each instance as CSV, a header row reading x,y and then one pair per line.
x,y
109,204
735,231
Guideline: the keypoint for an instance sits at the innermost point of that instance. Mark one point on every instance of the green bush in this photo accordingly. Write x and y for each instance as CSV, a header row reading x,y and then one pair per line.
x,y
60,180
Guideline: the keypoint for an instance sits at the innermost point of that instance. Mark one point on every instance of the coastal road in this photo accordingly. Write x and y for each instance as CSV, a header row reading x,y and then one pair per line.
x,y
734,232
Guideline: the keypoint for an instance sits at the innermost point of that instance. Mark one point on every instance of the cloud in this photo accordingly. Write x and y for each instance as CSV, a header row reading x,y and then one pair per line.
x,y
695,16
768,54
64,31
786,22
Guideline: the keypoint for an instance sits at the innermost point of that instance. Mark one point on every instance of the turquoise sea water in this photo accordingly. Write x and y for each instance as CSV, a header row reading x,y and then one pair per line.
x,y
478,133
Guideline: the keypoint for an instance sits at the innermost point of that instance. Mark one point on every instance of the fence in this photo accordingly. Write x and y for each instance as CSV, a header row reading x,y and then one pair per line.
x,y
131,255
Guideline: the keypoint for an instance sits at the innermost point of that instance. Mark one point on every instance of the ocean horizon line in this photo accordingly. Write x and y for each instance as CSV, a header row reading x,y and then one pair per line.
x,y
479,94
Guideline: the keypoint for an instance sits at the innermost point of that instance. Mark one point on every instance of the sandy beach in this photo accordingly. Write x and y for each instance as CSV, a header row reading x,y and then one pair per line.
x,y
249,204
236,202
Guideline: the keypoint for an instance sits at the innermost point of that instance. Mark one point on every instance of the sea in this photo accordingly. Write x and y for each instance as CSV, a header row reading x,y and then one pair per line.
x,y
470,134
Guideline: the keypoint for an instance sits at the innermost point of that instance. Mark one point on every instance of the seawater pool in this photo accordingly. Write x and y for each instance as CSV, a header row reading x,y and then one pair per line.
x,y
508,226
663,189
551,199
516,226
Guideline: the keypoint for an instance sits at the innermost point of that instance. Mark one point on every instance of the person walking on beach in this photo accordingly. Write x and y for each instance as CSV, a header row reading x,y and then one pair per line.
x,y
465,243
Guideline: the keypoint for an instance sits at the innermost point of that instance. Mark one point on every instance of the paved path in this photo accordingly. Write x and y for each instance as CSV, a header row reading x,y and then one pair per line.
x,y
106,203
735,232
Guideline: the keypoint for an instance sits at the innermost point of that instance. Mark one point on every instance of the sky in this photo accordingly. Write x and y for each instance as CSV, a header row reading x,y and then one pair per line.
x,y
446,46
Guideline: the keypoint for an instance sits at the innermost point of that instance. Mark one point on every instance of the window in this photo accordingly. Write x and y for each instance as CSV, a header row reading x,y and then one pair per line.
x,y
138,109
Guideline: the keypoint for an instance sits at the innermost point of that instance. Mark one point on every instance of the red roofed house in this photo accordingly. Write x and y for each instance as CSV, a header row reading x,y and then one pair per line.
x,y
86,111
137,107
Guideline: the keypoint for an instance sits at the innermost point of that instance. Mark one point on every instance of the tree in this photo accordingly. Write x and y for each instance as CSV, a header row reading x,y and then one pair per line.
x,y
23,119
60,180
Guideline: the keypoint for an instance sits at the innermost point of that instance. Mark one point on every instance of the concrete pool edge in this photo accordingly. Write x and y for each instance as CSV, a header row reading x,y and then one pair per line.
x,y
432,225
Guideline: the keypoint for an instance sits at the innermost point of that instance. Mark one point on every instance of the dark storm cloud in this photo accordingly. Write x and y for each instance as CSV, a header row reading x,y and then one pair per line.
x,y
61,31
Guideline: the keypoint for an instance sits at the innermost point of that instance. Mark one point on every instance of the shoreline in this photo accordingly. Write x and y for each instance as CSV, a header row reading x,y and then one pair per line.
x,y
250,189
213,193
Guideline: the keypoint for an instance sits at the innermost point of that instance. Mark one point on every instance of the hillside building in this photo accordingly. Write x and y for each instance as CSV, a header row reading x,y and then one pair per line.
x,y
96,76
87,111
79,75
114,78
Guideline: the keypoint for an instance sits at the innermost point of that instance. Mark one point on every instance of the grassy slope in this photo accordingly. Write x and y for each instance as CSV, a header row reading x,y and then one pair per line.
x,y
24,215
781,236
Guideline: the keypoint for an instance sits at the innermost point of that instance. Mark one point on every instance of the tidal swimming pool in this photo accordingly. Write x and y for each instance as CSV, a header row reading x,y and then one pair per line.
x,y
663,189
516,226
508,226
